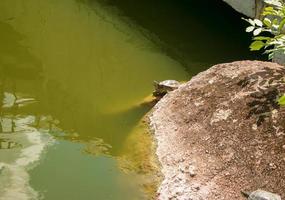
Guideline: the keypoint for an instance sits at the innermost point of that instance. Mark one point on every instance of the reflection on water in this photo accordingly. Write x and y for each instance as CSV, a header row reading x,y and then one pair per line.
x,y
8,144
198,34
21,147
77,75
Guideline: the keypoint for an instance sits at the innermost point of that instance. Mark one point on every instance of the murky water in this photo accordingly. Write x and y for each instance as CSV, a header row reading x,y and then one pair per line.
x,y
74,79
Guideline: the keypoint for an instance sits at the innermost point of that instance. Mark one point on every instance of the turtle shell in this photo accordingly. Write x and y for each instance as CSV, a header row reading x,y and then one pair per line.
x,y
169,83
161,88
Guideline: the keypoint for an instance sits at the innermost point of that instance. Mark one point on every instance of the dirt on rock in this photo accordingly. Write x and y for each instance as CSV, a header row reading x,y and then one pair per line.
x,y
222,133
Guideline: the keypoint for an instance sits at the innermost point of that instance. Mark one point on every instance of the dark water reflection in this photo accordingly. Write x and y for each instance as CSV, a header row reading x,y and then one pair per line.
x,y
197,33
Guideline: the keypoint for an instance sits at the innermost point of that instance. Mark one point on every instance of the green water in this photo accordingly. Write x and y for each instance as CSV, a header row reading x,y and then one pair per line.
x,y
74,76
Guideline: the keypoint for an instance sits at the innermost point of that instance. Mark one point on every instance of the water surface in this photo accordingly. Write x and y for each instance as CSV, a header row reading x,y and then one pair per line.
x,y
75,77
79,74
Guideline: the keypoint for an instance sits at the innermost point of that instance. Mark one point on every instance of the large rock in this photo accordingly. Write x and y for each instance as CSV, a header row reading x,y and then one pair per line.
x,y
222,133
246,7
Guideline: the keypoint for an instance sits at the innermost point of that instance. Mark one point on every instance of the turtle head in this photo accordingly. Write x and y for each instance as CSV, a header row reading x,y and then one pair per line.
x,y
155,84
245,194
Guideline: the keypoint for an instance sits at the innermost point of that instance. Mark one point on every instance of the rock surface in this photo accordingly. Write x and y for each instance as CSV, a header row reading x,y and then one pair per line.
x,y
222,133
246,7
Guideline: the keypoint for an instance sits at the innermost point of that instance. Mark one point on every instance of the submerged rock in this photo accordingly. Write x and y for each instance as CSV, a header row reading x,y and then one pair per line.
x,y
226,122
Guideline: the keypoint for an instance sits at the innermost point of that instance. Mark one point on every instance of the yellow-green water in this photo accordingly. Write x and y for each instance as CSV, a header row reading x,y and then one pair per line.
x,y
74,75
73,79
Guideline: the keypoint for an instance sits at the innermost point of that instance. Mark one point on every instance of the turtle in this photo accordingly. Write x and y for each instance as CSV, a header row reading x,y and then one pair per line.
x,y
163,87
261,195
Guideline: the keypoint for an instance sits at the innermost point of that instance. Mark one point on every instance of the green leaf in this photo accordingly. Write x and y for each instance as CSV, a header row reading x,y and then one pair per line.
x,y
281,25
251,22
256,45
275,21
269,51
273,24
249,29
281,100
269,11
269,8
258,22
267,22
261,38
257,31
277,3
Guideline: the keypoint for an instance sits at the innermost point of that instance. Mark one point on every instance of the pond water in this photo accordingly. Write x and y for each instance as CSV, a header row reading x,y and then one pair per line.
x,y
76,76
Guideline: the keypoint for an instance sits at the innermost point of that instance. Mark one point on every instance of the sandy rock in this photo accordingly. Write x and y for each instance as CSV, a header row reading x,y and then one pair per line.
x,y
230,129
